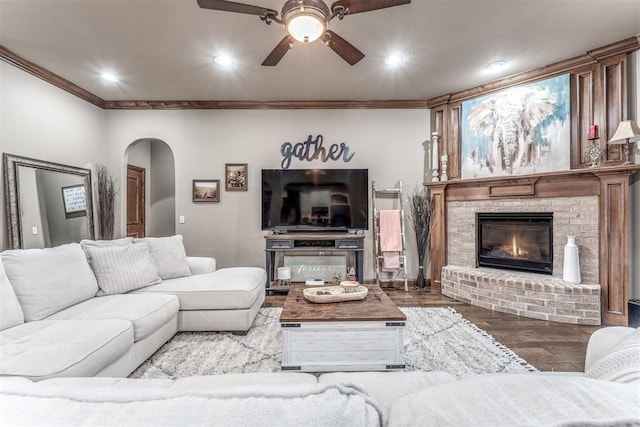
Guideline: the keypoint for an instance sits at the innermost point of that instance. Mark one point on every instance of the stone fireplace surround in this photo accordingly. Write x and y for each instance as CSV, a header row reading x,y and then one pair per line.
x,y
591,203
532,295
576,216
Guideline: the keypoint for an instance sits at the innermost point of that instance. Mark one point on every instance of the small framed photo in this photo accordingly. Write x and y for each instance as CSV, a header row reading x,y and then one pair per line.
x,y
235,177
74,200
206,190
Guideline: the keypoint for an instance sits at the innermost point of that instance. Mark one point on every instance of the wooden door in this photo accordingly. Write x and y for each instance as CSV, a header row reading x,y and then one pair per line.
x,y
135,201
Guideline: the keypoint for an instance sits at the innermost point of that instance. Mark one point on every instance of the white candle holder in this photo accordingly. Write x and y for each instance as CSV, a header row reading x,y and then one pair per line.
x,y
444,159
284,276
434,157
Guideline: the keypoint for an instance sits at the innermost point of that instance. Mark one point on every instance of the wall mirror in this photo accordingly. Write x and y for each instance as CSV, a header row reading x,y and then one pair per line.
x,y
48,204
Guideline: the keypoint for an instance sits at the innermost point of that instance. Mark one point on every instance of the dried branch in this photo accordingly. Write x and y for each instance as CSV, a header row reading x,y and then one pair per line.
x,y
106,202
420,216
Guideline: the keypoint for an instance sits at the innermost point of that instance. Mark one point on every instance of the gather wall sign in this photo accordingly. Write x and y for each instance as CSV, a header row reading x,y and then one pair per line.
x,y
313,149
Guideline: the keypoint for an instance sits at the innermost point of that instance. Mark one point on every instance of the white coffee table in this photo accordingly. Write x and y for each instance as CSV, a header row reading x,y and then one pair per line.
x,y
344,336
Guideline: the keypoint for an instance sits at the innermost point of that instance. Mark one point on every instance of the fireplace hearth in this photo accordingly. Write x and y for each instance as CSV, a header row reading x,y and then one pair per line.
x,y
515,241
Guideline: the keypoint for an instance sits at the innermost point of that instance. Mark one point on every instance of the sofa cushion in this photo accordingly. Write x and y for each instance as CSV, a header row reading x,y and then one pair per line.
x,y
49,280
147,312
297,405
100,382
121,269
227,288
51,348
526,399
193,383
168,255
387,387
10,310
249,379
621,363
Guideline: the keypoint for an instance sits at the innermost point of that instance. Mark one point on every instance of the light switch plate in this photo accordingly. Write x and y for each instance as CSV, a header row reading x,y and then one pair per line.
x,y
34,230
181,219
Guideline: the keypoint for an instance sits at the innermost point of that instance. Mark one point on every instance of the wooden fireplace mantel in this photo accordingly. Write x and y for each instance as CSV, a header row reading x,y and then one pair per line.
x,y
609,184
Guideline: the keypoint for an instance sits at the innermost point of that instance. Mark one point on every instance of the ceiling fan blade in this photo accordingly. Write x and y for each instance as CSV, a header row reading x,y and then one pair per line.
x,y
276,54
346,50
230,6
357,6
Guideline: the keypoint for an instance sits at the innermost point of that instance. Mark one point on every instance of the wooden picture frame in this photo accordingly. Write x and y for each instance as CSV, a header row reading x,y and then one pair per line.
x,y
235,176
206,190
74,200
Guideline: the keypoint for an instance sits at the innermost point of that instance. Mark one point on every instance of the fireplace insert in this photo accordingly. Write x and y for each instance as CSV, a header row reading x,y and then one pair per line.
x,y
521,241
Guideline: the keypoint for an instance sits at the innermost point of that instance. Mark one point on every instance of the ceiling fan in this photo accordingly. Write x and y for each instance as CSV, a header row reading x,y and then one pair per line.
x,y
307,21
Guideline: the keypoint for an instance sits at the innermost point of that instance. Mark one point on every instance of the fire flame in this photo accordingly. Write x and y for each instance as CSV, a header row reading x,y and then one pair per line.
x,y
517,251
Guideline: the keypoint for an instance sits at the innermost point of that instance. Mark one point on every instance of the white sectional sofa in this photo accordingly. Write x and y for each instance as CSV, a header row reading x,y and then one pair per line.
x,y
73,321
607,394
102,308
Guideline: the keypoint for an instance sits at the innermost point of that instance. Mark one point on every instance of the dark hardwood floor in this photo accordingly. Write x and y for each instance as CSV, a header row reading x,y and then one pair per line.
x,y
548,346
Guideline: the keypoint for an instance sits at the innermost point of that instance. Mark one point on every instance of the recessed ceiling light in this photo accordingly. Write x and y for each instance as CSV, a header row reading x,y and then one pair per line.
x,y
498,65
394,59
224,60
110,77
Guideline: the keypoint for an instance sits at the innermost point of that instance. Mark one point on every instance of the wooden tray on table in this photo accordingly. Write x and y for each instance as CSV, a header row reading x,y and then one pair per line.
x,y
327,294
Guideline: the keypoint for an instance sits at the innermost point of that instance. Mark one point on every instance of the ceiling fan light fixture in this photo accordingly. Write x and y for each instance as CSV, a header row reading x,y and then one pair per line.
x,y
305,28
305,20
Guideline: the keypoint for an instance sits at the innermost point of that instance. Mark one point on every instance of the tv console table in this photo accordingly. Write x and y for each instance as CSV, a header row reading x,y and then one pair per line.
x,y
312,242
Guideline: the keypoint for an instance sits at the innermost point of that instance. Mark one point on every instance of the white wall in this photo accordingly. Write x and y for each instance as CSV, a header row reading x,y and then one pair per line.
x,y
162,191
41,121
387,142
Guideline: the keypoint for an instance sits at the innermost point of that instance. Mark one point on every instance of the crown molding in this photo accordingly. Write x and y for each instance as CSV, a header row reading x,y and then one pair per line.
x,y
11,58
262,105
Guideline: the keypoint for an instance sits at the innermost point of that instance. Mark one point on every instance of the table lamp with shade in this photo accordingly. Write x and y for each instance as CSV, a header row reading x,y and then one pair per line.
x,y
627,133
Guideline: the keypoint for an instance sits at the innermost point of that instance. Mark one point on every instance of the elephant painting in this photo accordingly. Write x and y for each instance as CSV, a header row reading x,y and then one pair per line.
x,y
507,129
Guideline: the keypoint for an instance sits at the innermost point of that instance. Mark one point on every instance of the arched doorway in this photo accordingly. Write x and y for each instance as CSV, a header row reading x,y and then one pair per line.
x,y
155,158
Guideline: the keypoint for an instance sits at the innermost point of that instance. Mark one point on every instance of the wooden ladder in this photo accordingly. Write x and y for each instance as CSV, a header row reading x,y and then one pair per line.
x,y
396,195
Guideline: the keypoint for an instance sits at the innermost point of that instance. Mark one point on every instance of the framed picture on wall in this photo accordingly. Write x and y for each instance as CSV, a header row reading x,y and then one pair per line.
x,y
74,201
520,130
235,177
206,190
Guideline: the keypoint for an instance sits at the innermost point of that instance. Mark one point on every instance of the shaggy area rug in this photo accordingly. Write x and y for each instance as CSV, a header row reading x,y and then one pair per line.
x,y
435,339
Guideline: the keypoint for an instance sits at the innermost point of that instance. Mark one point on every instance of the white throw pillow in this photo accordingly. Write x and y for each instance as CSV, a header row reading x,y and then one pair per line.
x,y
10,310
168,255
622,363
49,280
86,243
121,269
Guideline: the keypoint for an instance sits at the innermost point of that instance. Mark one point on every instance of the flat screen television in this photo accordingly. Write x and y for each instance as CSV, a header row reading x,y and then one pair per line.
x,y
303,200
